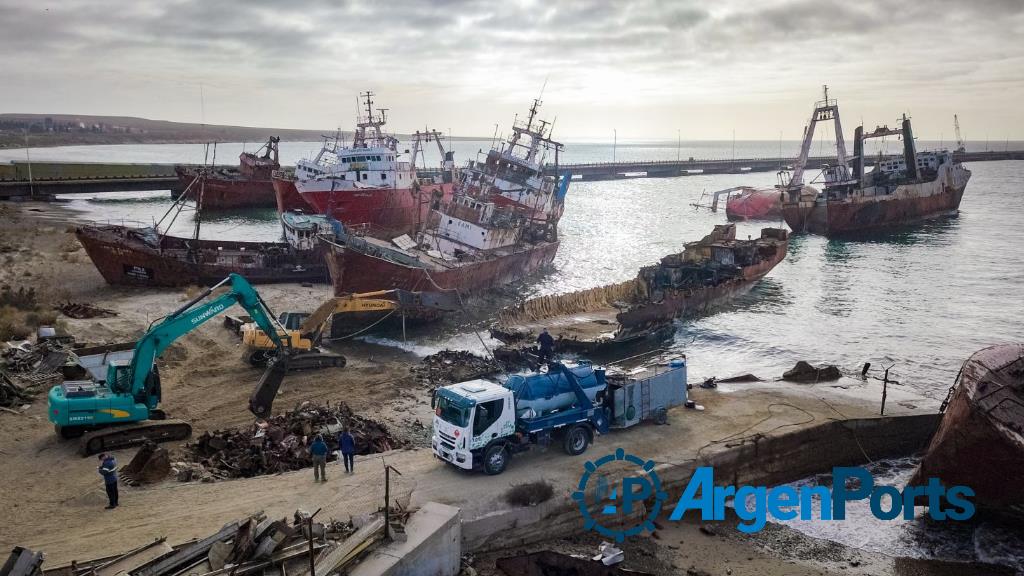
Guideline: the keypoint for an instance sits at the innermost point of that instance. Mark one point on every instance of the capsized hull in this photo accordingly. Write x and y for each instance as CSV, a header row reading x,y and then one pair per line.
x,y
124,257
980,440
909,204
755,205
356,271
287,197
388,212
221,192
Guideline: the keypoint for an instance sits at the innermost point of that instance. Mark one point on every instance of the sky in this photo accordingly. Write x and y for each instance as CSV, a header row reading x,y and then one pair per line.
x,y
643,69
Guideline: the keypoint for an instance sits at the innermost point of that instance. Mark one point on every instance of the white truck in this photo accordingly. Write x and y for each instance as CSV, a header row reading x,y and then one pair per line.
x,y
479,424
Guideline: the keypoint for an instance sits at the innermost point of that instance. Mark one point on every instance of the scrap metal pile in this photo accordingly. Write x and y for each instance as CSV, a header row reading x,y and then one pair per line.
x,y
27,369
450,366
280,443
251,546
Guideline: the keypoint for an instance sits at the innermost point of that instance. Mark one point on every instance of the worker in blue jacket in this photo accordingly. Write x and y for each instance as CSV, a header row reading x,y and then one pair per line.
x,y
108,469
318,449
347,445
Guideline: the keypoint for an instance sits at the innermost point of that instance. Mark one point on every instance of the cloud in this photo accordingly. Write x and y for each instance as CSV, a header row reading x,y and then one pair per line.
x,y
470,63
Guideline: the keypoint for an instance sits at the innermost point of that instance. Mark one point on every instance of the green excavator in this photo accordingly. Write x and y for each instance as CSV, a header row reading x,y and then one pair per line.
x,y
123,410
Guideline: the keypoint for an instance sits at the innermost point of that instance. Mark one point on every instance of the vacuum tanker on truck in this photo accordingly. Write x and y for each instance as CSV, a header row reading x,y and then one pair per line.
x,y
479,424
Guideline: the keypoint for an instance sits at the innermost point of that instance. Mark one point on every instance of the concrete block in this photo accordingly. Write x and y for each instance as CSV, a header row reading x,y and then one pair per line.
x,y
432,546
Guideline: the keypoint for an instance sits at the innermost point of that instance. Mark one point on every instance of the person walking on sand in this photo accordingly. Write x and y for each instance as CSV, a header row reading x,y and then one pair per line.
x,y
108,469
348,450
318,449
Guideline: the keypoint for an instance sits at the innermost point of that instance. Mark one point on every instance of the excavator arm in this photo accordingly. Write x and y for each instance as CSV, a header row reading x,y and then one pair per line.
x,y
313,326
189,317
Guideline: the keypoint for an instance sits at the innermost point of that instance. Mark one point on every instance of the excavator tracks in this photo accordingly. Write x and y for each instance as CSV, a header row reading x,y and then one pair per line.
x,y
135,434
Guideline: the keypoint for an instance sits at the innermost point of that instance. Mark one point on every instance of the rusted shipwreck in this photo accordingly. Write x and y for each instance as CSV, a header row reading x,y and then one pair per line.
x,y
980,440
706,274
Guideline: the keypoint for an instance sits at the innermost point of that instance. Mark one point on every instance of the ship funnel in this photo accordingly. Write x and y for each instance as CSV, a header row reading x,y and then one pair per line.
x,y
909,153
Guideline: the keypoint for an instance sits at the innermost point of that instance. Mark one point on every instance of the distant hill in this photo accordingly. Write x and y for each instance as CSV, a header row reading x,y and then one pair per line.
x,y
73,129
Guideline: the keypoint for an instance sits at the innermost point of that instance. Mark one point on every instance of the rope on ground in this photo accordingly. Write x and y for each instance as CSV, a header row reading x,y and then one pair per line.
x,y
853,433
358,332
737,435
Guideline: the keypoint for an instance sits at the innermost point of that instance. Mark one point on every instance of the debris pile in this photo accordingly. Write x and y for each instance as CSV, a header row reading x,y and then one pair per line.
x,y
805,372
280,443
27,369
450,366
80,310
251,546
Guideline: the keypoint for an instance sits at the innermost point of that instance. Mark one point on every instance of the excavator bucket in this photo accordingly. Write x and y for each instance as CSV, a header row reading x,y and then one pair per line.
x,y
262,400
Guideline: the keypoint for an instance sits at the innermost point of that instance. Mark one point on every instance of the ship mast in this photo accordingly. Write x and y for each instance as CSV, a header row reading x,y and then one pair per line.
x,y
960,147
824,111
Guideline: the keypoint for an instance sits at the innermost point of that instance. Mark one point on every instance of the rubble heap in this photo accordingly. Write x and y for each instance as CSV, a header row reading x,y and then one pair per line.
x,y
27,369
254,545
280,443
450,366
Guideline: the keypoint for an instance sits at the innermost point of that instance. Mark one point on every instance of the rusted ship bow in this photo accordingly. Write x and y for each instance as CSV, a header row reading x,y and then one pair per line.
x,y
980,440
708,273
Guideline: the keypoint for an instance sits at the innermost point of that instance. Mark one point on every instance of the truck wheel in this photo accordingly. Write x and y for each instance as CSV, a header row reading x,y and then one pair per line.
x,y
576,441
495,460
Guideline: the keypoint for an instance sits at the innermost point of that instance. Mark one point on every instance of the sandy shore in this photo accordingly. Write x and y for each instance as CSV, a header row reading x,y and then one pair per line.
x,y
53,498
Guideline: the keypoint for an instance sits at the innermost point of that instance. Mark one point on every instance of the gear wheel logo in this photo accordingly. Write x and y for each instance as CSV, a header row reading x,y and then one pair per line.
x,y
619,503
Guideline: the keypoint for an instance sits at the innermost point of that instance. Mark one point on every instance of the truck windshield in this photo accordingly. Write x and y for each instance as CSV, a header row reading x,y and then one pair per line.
x,y
451,413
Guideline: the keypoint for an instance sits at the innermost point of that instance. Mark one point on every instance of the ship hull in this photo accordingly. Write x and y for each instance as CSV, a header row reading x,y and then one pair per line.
x,y
387,211
227,193
689,303
907,204
355,271
756,205
122,258
980,441
287,197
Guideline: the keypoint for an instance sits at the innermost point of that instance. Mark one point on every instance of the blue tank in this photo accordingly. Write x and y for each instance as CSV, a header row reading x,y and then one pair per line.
x,y
540,394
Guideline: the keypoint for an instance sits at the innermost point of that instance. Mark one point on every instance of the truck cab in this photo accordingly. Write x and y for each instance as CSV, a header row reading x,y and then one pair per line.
x,y
468,418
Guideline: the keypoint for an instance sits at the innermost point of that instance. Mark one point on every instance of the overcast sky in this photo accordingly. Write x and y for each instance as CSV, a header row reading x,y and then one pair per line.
x,y
645,68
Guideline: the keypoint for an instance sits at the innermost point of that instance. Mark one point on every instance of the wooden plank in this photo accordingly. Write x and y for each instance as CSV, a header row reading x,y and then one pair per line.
x,y
135,559
189,553
348,549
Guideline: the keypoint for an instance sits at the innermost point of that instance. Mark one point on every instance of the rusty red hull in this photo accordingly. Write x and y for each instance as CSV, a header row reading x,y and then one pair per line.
x,y
864,214
123,257
287,197
980,440
227,191
683,304
755,205
389,211
354,271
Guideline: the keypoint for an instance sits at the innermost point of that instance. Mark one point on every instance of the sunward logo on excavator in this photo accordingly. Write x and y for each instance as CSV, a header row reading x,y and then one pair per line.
x,y
207,313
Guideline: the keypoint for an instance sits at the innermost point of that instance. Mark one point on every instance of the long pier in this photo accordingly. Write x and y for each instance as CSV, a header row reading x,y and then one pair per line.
x,y
670,168
45,179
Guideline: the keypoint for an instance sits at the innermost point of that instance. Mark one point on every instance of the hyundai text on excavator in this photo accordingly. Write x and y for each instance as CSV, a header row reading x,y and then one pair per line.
x,y
123,410
304,340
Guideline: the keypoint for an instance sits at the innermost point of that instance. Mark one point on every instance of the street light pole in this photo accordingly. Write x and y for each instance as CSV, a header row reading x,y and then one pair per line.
x,y
615,143
679,144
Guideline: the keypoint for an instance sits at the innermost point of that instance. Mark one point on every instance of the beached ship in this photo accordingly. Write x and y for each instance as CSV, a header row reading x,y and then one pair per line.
x,y
248,186
500,226
708,273
145,256
896,191
980,441
369,182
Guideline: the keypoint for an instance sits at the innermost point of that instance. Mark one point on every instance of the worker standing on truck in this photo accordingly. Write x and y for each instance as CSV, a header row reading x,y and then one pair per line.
x,y
318,449
347,444
547,345
108,469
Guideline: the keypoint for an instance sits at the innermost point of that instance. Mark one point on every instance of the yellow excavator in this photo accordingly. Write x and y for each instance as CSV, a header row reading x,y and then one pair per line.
x,y
303,332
